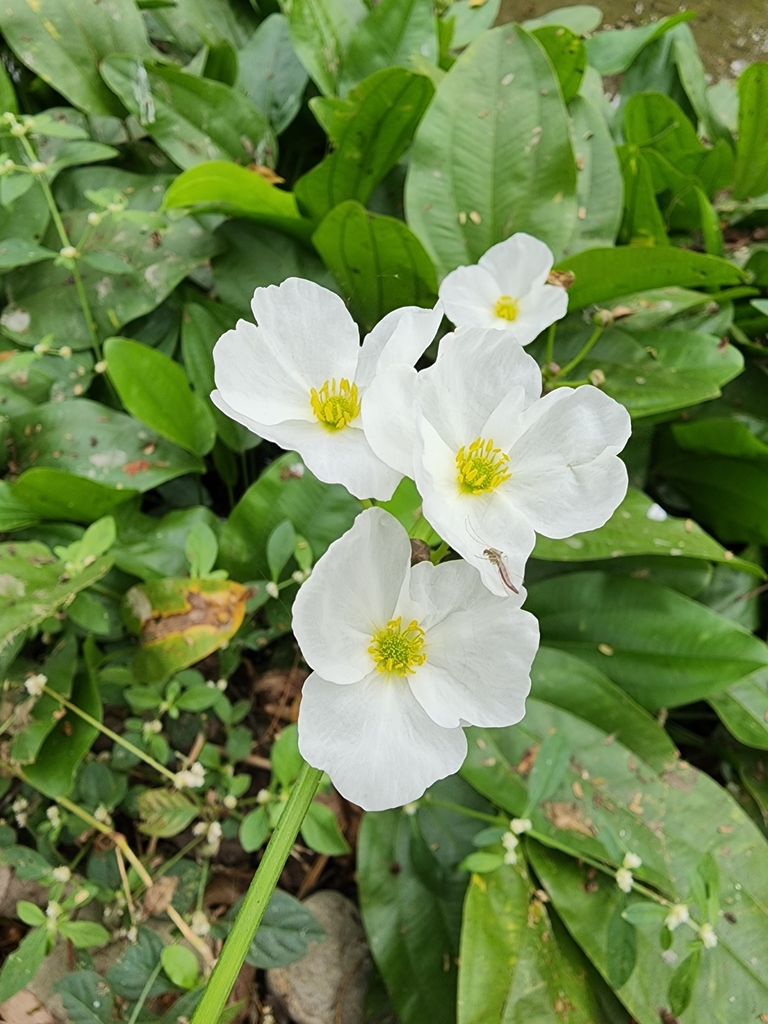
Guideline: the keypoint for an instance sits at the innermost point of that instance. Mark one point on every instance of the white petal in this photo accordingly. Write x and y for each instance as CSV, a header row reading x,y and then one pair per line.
x,y
389,419
352,592
541,307
566,477
373,738
344,457
518,264
469,296
401,337
308,328
253,382
479,652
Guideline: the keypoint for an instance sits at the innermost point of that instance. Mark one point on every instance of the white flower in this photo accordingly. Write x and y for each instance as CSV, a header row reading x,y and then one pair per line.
x,y
53,815
678,914
403,657
495,463
506,290
520,825
152,728
61,874
299,377
36,684
707,936
624,879
631,860
190,778
20,806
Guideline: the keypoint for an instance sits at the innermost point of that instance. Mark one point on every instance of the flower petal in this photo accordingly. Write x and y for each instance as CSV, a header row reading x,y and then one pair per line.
x,y
389,418
518,264
541,307
479,650
344,457
401,337
352,592
378,745
309,330
469,296
255,383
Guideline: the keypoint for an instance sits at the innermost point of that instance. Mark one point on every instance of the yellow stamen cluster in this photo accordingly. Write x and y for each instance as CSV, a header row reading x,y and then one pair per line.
x,y
481,466
507,308
335,408
398,651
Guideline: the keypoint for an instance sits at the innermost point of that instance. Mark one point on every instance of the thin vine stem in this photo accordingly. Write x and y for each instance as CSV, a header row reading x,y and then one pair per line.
x,y
581,355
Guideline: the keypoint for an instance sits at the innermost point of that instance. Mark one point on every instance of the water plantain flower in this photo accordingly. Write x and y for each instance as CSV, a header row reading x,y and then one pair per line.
x,y
299,377
403,657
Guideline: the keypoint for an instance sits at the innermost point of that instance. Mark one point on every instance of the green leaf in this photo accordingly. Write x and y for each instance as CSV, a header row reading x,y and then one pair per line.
x,y
34,586
370,132
284,934
662,648
379,263
15,514
270,74
254,829
165,812
193,22
201,548
320,831
220,187
20,252
280,545
393,32
59,670
605,274
644,913
742,709
632,531
493,155
285,757
87,998
23,963
153,548
83,934
580,18
63,43
621,949
567,54
53,771
320,512
482,862
30,913
469,20
548,770
642,223
180,964
613,52
752,134
57,494
682,983
191,119
128,977
599,186
513,955
320,32
154,389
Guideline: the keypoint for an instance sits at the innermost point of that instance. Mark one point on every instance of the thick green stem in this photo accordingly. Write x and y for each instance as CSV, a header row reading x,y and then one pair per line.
x,y
256,899
584,352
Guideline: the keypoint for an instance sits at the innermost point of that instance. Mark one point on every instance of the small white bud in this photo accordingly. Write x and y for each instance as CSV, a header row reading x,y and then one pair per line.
x,y
272,589
61,874
263,797
411,808
65,352
200,924
35,684
152,728
191,778
222,684
707,936
678,914
624,879
40,348
200,828
132,934
38,167
298,576
102,814
94,218
656,513
101,366
520,825
631,860
53,910
69,252
230,802
53,815
81,896
510,842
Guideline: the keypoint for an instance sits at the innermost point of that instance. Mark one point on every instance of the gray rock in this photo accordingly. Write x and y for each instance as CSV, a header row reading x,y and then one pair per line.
x,y
328,985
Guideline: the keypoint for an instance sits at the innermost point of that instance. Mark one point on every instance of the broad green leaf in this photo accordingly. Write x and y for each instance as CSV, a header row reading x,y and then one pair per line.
x,y
284,934
15,514
599,186
642,223
20,252
683,982
201,327
567,54
87,997
470,20
53,772
370,131
201,548
58,494
320,831
30,913
180,964
254,829
221,187
604,274
388,36
97,443
83,934
752,135
662,648
193,22
34,586
621,949
632,531
514,962
549,768
63,42
59,670
612,52
191,119
280,545
128,977
379,263
270,74
493,155
165,812
181,621
742,709
23,963
694,78
320,32
320,512
654,120
155,390
152,548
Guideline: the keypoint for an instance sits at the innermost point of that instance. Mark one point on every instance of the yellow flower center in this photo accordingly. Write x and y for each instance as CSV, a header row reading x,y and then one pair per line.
x,y
396,650
335,408
507,308
481,466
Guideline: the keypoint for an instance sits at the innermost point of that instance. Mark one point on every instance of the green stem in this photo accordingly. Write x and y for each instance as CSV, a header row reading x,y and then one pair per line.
x,y
115,737
549,352
459,809
256,899
145,993
577,359
366,503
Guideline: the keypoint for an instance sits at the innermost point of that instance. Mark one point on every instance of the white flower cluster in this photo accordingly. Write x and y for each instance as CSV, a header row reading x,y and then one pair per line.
x,y
404,657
